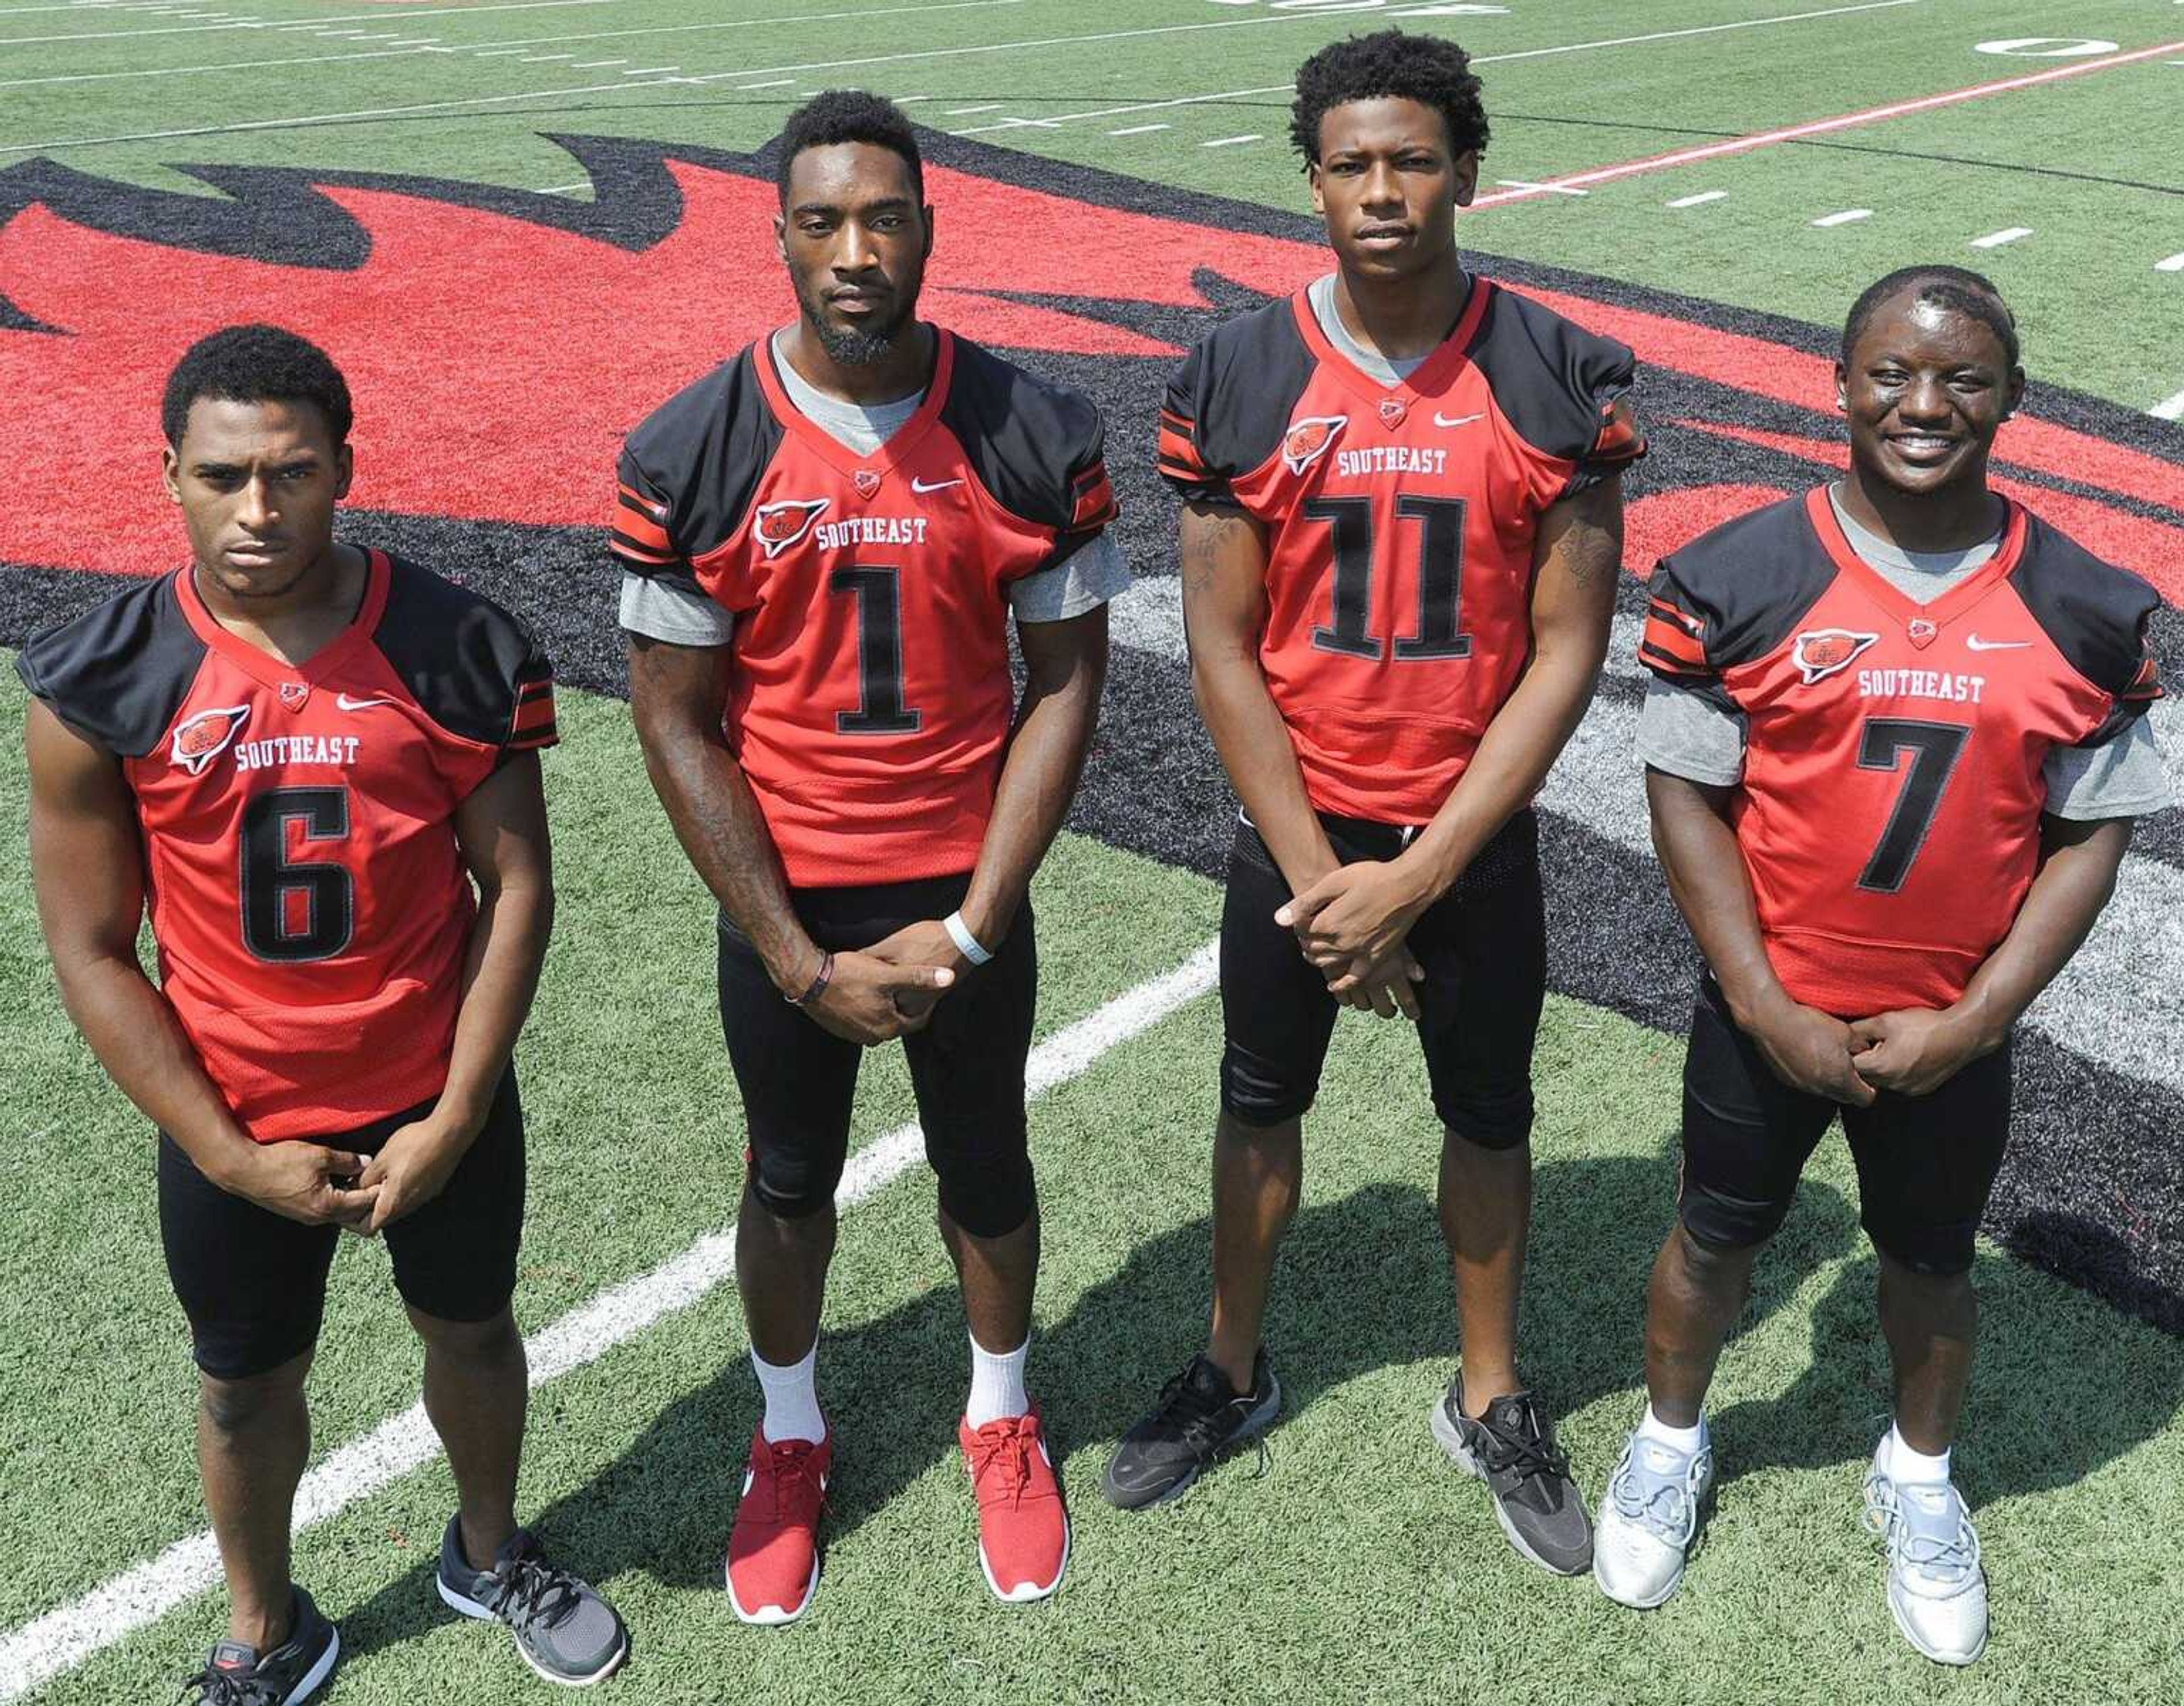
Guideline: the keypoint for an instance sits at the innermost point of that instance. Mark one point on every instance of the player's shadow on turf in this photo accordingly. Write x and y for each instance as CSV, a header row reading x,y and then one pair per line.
x,y
2061,1385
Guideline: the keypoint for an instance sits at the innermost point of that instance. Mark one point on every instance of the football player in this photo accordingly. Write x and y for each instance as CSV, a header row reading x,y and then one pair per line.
x,y
1402,527
1894,743
300,755
824,543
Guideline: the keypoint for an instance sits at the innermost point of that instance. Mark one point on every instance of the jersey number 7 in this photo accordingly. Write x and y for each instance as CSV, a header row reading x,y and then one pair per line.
x,y
1935,749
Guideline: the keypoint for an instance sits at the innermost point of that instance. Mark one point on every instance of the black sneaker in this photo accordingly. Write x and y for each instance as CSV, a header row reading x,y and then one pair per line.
x,y
565,1630
1511,1448
1198,1419
235,1674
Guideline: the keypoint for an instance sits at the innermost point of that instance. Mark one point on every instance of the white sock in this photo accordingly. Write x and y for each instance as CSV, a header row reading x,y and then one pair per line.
x,y
1684,1439
997,1384
1902,1464
792,1398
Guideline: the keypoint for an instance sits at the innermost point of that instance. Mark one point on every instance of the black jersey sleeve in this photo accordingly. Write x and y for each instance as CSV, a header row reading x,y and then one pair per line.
x,y
1038,449
119,672
688,471
1564,389
2099,617
1731,596
473,668
1229,405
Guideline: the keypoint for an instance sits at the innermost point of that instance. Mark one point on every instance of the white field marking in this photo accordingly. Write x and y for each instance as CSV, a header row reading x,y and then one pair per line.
x,y
2173,264
965,112
389,53
1138,130
543,58
1231,142
775,83
1699,200
1477,59
1996,239
1740,145
1848,216
260,23
596,65
2169,409
495,53
124,1604
1550,189
563,189
652,71
303,119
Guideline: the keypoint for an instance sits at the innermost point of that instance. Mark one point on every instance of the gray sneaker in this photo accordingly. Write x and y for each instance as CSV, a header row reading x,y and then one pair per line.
x,y
1648,1521
1936,1586
1511,1448
565,1630
236,1675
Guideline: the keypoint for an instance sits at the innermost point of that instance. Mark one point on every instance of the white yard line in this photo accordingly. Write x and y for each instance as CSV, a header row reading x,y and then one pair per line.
x,y
1232,142
2174,263
2169,409
1138,130
124,1604
1701,199
261,24
1848,216
1996,239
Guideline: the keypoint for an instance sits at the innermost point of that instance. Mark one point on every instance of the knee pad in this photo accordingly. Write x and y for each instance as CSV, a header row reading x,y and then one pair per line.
x,y
987,1196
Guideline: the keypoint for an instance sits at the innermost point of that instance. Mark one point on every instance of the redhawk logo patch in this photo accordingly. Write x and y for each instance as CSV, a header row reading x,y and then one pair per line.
x,y
1307,440
1823,652
781,525
199,740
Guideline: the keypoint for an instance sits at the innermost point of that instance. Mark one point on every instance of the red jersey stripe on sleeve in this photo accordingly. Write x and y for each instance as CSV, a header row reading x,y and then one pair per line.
x,y
635,530
1095,500
1669,644
1619,439
2146,686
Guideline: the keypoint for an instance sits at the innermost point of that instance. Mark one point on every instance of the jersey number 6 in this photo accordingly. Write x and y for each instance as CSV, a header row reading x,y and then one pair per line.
x,y
295,910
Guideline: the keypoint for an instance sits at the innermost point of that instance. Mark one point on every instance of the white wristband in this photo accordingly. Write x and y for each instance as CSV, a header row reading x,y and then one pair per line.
x,y
966,945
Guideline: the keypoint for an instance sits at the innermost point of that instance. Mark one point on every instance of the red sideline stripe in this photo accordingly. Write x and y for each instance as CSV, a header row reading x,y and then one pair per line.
x,y
1817,127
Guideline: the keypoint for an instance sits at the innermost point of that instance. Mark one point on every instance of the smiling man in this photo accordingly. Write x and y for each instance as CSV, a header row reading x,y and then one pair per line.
x,y
824,542
1402,528
1894,739
299,756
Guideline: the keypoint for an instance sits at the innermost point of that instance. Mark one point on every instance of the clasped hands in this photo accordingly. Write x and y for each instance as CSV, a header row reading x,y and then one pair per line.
x,y
1351,926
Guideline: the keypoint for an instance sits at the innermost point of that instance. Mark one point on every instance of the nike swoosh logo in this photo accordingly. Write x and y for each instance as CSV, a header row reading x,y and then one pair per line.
x,y
1458,420
1978,644
346,703
919,486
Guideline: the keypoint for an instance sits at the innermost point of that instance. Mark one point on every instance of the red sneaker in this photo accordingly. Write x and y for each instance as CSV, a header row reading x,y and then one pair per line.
x,y
1023,1531
773,1552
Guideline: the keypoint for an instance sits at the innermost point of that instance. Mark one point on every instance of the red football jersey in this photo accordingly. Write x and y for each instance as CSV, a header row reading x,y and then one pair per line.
x,y
871,701
1400,523
1890,811
306,894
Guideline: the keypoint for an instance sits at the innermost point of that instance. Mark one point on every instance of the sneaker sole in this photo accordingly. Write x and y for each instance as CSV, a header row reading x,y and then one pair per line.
x,y
1443,1431
1955,1661
773,1616
1256,1424
308,1684
1651,1603
1024,1593
463,1605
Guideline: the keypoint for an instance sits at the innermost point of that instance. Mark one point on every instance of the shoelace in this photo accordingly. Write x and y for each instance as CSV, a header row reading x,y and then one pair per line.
x,y
1667,1508
793,1476
1949,1558
1009,1453
1194,1418
219,1687
1531,1455
527,1591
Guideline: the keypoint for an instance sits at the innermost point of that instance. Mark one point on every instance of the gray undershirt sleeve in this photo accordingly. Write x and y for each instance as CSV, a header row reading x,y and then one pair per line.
x,y
1687,734
673,611
2123,777
1095,572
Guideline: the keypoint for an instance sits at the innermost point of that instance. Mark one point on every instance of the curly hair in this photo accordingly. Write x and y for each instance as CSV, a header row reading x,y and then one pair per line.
x,y
1946,286
848,115
1428,69
256,364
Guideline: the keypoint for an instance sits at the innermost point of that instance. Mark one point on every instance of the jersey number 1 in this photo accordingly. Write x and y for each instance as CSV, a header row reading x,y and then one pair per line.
x,y
1935,749
1440,577
295,910
879,594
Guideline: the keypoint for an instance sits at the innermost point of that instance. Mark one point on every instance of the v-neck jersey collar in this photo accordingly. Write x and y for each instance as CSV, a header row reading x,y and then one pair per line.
x,y
263,665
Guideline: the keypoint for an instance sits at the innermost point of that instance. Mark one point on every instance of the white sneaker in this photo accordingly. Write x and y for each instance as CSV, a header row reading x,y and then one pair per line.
x,y
1936,1590
1647,1520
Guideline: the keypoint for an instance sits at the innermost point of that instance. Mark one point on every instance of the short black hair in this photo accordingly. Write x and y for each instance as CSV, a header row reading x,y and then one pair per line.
x,y
256,364
1946,286
848,115
1429,69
